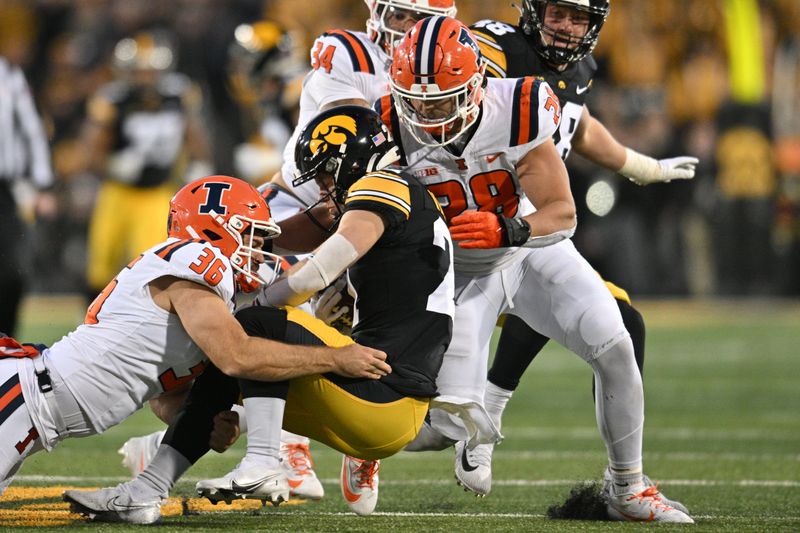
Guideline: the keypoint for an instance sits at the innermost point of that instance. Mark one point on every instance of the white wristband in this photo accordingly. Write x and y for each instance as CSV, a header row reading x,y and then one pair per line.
x,y
322,268
546,240
640,168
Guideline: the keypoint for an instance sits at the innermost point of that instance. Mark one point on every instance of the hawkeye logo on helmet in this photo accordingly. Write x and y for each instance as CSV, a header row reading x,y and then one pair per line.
x,y
332,131
214,191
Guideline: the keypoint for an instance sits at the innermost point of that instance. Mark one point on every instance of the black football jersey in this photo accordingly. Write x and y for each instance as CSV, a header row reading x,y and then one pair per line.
x,y
509,53
152,122
404,285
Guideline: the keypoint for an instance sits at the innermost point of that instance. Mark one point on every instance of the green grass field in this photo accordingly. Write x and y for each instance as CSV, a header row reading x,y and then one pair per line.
x,y
722,433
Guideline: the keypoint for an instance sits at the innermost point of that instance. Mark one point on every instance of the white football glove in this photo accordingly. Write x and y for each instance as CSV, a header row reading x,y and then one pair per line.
x,y
325,303
644,170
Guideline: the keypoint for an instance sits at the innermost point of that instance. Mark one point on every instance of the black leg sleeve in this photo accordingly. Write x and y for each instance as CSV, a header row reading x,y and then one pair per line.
x,y
211,393
268,323
634,323
516,349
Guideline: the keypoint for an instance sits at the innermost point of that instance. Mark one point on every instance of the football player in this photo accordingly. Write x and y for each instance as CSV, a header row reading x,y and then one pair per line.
x,y
553,41
262,64
139,131
393,242
155,327
484,148
348,67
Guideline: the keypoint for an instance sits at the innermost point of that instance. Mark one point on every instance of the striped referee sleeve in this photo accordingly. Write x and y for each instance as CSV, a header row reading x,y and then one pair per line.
x,y
24,149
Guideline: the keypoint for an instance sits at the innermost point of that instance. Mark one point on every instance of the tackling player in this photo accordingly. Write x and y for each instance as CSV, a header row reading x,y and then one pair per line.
x,y
392,240
553,41
155,327
484,147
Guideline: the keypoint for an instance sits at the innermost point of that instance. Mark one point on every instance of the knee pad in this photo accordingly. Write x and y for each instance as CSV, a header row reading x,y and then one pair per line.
x,y
600,327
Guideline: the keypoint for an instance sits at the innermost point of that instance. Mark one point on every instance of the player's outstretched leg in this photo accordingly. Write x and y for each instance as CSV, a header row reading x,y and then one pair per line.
x,y
249,480
516,349
359,484
117,504
474,467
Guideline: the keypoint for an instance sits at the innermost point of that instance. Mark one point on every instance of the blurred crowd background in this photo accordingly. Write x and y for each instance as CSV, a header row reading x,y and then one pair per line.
x,y
717,79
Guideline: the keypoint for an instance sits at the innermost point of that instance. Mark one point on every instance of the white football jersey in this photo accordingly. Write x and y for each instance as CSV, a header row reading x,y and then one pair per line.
x,y
346,65
129,350
516,116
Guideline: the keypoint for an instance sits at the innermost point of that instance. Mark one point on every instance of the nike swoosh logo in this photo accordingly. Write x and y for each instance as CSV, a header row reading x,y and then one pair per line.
x,y
491,158
635,519
294,483
465,463
348,495
581,90
250,487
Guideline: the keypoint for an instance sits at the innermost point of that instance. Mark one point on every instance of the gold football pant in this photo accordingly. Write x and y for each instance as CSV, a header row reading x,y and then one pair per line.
x,y
322,410
126,221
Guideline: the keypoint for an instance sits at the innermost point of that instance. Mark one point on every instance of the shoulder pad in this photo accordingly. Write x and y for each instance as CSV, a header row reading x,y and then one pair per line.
x,y
386,187
198,261
534,105
341,49
493,54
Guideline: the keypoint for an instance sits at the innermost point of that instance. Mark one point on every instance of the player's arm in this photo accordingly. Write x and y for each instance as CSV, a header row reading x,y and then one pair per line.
x,y
207,320
593,141
166,405
357,232
544,179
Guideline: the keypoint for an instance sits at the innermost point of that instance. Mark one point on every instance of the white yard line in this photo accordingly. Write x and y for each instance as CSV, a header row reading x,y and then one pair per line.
x,y
678,433
412,482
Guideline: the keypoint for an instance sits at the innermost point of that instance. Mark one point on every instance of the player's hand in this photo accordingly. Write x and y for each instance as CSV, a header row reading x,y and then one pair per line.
x,y
225,432
357,361
326,303
483,229
677,168
477,229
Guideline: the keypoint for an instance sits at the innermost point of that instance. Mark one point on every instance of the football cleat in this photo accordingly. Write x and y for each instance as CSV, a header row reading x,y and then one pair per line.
x,y
640,503
360,484
246,481
648,483
299,469
474,468
113,505
137,452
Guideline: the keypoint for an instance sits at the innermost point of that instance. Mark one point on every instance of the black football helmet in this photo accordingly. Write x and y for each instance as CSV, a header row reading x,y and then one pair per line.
x,y
344,142
567,49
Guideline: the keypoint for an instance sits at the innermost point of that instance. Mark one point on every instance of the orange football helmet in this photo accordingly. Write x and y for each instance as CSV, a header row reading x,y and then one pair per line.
x,y
437,79
381,13
227,213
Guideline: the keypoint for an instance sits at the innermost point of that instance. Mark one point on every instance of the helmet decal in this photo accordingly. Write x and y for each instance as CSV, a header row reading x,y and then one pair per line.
x,y
213,203
332,132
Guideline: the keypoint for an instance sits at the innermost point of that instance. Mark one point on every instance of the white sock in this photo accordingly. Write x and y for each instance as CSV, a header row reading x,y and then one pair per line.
x,y
265,418
160,476
619,406
293,438
495,400
239,409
